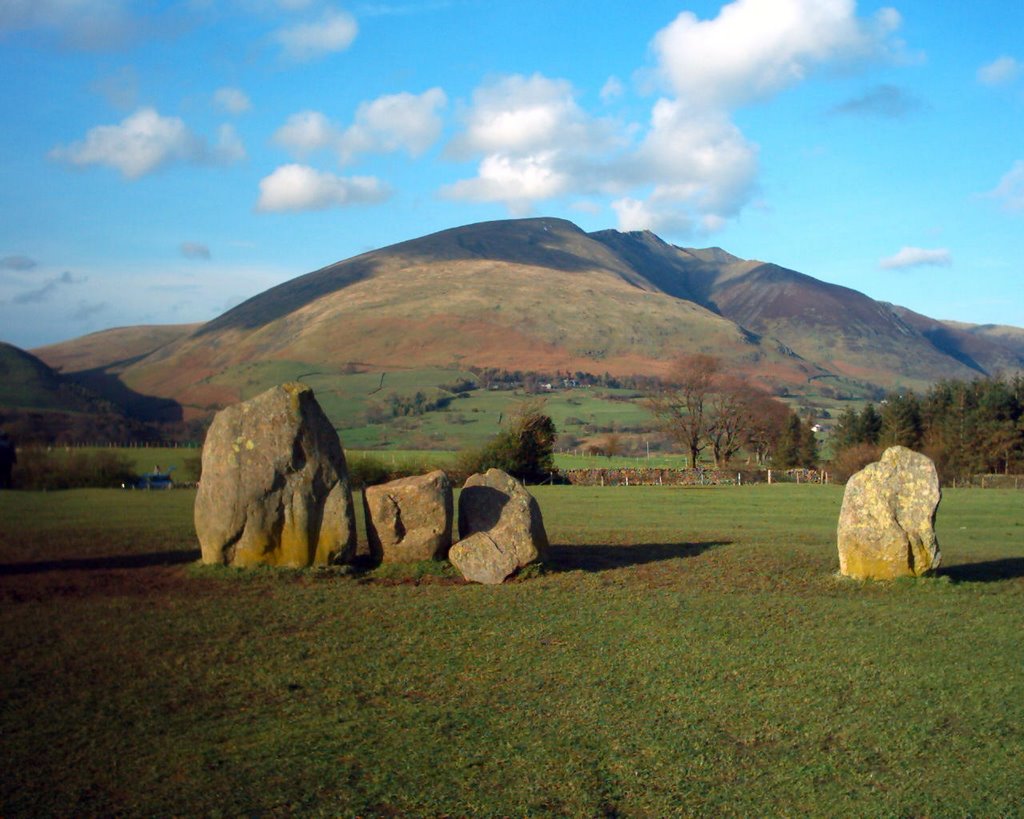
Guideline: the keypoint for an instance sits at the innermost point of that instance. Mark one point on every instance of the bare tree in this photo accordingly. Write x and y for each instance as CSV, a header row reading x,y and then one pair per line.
x,y
680,404
732,410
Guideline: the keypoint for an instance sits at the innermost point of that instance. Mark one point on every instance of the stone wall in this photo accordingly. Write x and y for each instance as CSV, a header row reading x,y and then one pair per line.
x,y
664,476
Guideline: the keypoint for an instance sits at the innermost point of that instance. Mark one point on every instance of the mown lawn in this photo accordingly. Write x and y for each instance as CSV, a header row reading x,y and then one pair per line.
x,y
687,651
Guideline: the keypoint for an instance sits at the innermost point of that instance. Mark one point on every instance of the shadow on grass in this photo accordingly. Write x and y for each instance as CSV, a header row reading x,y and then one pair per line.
x,y
1009,568
603,558
143,561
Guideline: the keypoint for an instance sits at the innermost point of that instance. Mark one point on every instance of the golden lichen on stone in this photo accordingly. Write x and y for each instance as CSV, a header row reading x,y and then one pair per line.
x,y
887,522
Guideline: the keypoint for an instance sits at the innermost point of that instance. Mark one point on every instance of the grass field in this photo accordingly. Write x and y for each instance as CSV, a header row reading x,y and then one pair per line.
x,y
686,651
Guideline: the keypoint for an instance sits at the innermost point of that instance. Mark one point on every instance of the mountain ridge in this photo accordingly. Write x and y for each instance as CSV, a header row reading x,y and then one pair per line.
x,y
542,294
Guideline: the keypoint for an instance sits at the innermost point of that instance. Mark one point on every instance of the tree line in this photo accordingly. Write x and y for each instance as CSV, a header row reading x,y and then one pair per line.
x,y
966,428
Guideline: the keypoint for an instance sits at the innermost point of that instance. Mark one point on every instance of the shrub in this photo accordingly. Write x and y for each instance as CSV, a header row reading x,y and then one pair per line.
x,y
853,459
525,449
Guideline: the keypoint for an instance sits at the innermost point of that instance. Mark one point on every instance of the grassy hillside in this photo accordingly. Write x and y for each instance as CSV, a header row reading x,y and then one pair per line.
x,y
110,349
686,652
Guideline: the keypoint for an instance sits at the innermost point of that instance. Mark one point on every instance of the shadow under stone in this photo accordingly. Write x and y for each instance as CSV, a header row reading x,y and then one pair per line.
x,y
989,571
604,558
143,561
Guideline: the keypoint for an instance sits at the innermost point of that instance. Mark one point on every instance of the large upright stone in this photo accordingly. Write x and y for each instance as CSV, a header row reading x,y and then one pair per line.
x,y
274,489
409,519
887,521
500,528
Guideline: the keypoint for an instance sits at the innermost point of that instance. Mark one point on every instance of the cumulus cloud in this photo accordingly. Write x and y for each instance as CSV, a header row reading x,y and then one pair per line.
x,y
917,257
756,48
299,187
534,143
887,101
690,168
1010,190
404,121
1000,71
334,31
519,115
232,100
194,250
46,290
307,132
146,141
17,263
394,122
86,24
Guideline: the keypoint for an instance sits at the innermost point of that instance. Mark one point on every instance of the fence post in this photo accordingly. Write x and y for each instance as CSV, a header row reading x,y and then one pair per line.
x,y
769,477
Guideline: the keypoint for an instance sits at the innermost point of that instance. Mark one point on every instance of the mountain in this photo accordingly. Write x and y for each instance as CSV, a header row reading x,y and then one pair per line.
x,y
538,294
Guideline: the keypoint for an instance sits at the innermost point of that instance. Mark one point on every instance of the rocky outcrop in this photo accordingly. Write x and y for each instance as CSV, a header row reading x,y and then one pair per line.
x,y
410,518
274,488
500,528
887,521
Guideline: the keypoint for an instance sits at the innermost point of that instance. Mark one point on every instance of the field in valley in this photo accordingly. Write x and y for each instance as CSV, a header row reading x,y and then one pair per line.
x,y
684,651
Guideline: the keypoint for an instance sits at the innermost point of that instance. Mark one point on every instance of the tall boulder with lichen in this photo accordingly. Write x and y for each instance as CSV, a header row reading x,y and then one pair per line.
x,y
887,521
274,488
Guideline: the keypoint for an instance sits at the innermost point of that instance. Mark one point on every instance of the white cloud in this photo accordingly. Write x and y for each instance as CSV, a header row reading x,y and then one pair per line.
x,y
516,181
1001,71
334,31
307,132
395,122
1010,190
299,187
194,250
390,123
535,143
756,48
917,257
232,100
690,168
519,115
699,163
146,141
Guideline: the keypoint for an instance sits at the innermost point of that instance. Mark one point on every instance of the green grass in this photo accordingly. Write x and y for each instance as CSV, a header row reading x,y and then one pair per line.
x,y
686,651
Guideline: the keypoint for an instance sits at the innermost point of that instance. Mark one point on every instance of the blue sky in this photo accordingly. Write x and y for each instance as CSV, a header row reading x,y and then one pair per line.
x,y
162,161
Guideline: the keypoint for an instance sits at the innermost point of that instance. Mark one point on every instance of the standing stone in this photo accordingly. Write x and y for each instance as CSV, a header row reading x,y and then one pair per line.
x,y
500,528
409,519
887,521
274,488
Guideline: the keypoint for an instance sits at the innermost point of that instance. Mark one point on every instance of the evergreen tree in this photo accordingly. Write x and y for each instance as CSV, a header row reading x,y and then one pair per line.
x,y
870,425
808,445
788,454
901,422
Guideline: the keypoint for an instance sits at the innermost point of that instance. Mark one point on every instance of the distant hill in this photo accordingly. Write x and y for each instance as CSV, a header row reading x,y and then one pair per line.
x,y
536,294
111,349
27,383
